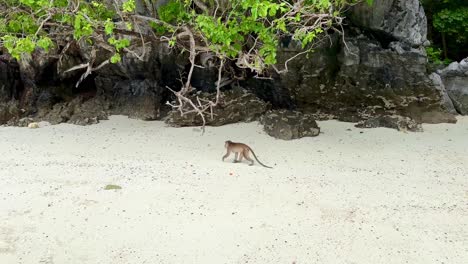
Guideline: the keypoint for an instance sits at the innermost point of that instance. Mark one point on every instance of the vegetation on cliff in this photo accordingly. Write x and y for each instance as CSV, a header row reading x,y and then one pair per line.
x,y
239,34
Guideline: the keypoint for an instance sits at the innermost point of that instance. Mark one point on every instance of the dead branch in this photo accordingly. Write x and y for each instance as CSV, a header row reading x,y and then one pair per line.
x,y
89,67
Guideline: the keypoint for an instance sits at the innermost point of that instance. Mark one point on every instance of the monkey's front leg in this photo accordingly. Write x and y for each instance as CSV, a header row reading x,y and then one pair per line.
x,y
227,154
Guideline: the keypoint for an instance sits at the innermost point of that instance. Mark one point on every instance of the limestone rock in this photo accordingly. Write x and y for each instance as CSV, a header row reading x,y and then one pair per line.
x,y
139,99
399,123
402,20
355,81
20,122
8,111
457,88
445,99
288,125
455,69
132,87
455,80
78,112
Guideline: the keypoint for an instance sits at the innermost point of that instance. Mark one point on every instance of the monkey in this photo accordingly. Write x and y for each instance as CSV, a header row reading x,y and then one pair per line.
x,y
242,150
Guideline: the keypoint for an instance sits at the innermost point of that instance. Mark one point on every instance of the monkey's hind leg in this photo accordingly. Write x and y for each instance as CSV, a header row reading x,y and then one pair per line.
x,y
235,157
241,156
246,155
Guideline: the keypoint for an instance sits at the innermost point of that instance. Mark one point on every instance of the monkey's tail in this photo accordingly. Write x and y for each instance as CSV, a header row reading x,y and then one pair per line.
x,y
255,156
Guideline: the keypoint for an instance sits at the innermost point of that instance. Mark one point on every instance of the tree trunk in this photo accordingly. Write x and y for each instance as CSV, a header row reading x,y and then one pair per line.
x,y
444,46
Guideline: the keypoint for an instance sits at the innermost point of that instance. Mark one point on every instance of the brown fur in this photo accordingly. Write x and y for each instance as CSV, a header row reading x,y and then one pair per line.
x,y
241,150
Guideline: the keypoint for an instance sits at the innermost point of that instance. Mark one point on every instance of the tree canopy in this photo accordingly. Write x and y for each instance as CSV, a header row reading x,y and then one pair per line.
x,y
448,28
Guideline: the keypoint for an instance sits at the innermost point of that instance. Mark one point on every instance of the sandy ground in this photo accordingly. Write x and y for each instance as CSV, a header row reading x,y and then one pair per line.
x,y
347,196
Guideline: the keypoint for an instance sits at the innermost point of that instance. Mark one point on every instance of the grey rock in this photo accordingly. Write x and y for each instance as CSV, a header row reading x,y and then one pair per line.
x,y
445,99
455,80
463,66
399,123
288,125
32,68
453,69
8,110
132,86
457,89
25,121
403,20
21,122
437,117
139,99
354,81
403,48
78,112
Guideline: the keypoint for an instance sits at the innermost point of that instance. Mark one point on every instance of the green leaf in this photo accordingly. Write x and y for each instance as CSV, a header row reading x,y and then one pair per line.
x,y
45,43
115,58
109,26
128,6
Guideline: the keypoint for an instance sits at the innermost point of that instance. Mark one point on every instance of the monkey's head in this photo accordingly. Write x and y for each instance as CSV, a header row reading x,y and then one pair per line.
x,y
226,143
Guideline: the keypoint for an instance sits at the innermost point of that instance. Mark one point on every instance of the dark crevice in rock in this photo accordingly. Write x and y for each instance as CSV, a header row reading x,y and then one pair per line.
x,y
383,38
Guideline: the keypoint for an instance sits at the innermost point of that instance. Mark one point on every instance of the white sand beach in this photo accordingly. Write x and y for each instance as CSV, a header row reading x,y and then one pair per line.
x,y
347,196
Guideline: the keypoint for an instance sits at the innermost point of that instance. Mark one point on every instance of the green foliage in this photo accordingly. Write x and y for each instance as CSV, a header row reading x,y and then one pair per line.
x,y
17,46
115,58
109,27
241,27
22,30
128,6
158,28
448,27
229,36
20,23
36,4
454,23
434,55
82,27
98,11
119,43
44,43
173,12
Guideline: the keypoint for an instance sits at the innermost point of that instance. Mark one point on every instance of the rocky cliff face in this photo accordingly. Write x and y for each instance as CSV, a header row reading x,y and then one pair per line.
x,y
398,20
129,88
379,68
